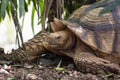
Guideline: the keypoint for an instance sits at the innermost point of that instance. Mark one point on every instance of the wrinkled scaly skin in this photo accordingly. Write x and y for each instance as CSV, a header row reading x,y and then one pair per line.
x,y
33,49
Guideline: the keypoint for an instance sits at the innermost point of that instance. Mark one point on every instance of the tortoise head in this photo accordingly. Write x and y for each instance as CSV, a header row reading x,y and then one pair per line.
x,y
62,38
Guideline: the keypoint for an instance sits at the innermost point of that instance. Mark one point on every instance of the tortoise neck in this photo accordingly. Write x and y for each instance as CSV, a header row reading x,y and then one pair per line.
x,y
82,47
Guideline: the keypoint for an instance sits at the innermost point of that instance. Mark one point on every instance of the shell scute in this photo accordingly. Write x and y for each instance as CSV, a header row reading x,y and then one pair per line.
x,y
97,31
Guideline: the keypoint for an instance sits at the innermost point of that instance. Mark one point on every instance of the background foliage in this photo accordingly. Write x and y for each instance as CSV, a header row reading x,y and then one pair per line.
x,y
16,9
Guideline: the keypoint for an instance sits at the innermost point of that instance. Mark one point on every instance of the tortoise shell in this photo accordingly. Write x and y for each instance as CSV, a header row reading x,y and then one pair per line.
x,y
99,32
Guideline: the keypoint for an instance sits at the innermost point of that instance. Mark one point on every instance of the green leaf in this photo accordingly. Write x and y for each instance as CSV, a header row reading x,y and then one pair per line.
x,y
21,8
108,75
40,21
110,7
41,6
59,68
101,3
8,10
17,65
67,14
23,21
29,2
96,5
0,19
59,63
38,8
32,20
0,13
26,6
3,8
34,4
41,11
15,3
10,78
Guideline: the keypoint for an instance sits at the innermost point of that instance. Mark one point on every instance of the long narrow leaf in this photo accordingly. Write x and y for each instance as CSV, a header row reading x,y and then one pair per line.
x,y
25,6
29,2
21,8
8,10
23,21
110,7
41,6
32,18
3,8
0,13
34,4
38,8
103,2
15,3
98,4
41,11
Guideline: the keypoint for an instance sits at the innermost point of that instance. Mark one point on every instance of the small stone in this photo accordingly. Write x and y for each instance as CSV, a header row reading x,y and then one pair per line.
x,y
28,66
75,72
40,67
31,76
46,62
71,74
40,78
71,66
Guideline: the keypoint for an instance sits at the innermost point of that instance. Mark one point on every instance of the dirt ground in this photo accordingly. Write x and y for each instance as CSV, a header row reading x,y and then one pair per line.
x,y
46,68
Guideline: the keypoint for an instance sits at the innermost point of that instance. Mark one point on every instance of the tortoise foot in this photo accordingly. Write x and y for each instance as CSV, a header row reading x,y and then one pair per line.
x,y
88,63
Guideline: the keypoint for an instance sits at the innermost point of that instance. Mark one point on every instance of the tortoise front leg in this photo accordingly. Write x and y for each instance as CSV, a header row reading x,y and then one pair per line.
x,y
89,63
33,49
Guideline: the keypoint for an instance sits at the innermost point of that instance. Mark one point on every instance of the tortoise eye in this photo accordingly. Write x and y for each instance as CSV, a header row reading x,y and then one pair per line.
x,y
58,37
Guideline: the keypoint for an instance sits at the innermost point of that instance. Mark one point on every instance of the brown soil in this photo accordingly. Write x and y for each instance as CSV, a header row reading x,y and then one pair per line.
x,y
44,69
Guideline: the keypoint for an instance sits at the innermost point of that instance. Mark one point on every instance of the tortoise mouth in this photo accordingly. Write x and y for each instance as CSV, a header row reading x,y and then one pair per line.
x,y
55,46
56,43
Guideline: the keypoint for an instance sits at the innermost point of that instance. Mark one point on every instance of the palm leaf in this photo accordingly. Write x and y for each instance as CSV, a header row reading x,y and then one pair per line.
x,y
3,8
32,19
25,5
0,14
110,7
21,8
41,6
34,4
9,10
15,3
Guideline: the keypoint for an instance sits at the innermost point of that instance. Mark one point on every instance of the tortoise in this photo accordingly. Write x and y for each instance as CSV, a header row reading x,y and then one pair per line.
x,y
91,40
